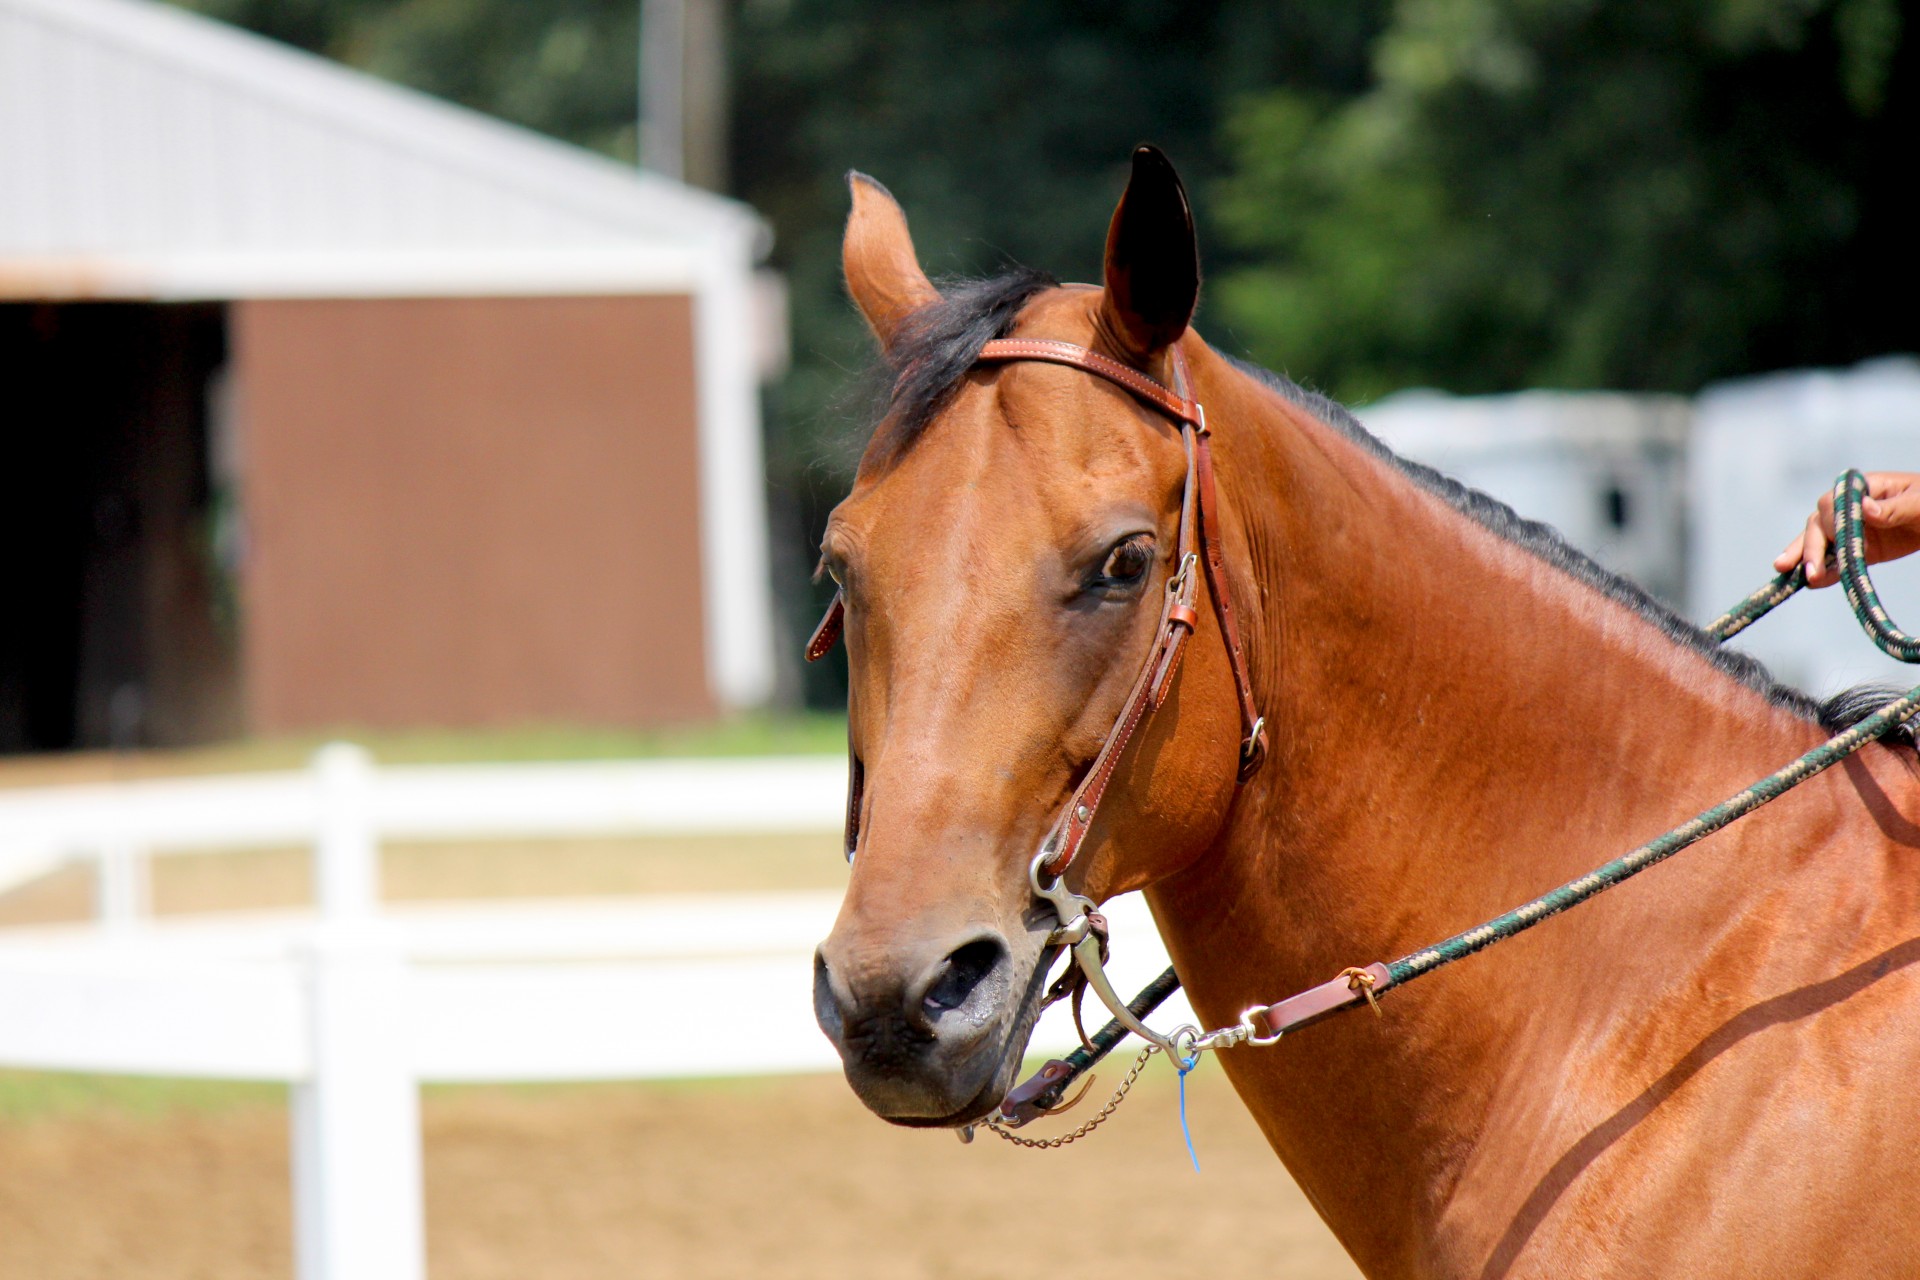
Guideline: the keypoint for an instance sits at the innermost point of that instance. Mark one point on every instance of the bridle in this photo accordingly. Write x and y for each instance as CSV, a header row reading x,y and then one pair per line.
x,y
1198,541
1082,930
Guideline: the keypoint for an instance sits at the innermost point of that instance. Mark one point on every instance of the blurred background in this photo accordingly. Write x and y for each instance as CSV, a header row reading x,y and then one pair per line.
x,y
472,378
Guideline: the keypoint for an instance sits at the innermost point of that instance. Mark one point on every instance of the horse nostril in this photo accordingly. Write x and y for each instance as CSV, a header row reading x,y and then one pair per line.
x,y
828,1005
966,967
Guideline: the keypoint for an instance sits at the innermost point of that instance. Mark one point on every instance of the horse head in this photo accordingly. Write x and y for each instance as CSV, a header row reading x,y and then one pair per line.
x,y
1003,558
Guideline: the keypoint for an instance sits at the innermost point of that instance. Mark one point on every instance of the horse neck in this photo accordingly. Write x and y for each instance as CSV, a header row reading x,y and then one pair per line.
x,y
1457,725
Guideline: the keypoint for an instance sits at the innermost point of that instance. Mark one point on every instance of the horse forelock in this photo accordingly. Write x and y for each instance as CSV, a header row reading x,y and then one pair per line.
x,y
937,344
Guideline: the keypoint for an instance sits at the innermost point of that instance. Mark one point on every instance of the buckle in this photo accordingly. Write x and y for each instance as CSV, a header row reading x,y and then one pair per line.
x,y
1253,751
1252,1028
1178,585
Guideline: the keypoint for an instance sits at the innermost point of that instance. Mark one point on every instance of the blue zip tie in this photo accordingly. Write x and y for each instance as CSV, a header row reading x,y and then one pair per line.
x,y
1184,1066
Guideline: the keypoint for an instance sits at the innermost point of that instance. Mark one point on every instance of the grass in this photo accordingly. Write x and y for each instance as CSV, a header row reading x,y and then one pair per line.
x,y
27,1096
54,1095
803,733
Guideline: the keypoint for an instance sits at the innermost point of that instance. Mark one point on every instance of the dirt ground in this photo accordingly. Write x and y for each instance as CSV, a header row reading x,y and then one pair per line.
x,y
778,1179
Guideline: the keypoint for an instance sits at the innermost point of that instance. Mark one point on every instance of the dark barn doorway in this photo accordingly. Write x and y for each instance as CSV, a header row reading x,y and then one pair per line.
x,y
117,532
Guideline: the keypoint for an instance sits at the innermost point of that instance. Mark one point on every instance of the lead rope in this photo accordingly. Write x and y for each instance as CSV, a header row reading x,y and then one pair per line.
x,y
1850,492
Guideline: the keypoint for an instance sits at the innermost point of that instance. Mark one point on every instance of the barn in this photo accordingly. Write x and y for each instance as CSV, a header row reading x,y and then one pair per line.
x,y
325,403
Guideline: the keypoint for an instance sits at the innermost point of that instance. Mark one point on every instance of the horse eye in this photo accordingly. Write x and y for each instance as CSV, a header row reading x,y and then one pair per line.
x,y
1129,561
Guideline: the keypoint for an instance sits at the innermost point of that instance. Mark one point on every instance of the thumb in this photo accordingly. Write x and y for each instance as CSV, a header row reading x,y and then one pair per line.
x,y
1894,509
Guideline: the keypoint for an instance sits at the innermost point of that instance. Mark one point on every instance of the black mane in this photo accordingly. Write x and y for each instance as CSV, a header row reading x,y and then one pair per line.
x,y
941,342
1543,540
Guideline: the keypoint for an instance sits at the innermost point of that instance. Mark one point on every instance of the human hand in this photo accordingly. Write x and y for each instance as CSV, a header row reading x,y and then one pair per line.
x,y
1891,515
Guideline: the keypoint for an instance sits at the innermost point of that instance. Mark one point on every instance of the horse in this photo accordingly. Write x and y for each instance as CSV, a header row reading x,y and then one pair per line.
x,y
1706,1071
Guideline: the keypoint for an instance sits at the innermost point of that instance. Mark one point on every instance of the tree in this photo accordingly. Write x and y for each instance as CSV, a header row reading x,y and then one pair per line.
x,y
1642,194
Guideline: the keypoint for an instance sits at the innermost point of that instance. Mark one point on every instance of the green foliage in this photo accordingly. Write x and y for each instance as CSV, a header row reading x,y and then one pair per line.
x,y
564,67
1646,194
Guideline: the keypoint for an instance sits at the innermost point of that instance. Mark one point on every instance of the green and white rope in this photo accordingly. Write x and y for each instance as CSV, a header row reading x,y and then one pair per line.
x,y
1851,540
1758,605
1849,493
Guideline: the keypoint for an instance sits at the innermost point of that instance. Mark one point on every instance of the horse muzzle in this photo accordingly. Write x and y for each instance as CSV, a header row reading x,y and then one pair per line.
x,y
929,1035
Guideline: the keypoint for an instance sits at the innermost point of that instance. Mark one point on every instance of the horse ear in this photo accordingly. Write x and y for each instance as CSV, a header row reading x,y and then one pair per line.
x,y
883,275
1153,259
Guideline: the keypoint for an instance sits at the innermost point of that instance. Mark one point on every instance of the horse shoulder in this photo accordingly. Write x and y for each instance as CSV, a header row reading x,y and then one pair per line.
x,y
1759,1117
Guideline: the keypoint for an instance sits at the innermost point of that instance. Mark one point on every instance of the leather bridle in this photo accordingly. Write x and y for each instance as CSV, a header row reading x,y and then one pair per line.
x,y
1198,544
1198,540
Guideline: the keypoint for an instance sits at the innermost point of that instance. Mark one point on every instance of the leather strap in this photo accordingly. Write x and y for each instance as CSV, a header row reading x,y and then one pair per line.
x,y
1050,351
1198,542
1313,1004
1253,729
1150,689
821,643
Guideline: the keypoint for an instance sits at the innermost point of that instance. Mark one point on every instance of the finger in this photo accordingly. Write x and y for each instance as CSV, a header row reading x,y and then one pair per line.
x,y
1791,556
1886,484
1896,508
1813,553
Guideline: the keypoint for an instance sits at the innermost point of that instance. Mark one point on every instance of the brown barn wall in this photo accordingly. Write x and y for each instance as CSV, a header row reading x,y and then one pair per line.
x,y
469,511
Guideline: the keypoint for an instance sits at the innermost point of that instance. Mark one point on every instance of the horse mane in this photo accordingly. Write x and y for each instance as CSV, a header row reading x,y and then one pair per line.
x,y
940,342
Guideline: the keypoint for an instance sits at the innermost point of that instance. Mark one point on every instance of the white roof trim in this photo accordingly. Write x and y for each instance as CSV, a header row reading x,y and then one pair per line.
x,y
187,277
541,168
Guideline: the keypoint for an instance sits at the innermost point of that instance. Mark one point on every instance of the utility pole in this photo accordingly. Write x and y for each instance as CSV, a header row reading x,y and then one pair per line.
x,y
683,90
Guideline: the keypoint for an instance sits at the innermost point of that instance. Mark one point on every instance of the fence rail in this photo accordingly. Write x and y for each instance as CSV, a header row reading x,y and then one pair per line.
x,y
45,827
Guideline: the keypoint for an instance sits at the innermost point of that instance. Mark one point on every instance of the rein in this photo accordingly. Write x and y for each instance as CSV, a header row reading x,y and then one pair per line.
x,y
1082,930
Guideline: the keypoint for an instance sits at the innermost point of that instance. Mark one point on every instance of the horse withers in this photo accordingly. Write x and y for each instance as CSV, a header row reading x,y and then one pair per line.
x,y
1707,1071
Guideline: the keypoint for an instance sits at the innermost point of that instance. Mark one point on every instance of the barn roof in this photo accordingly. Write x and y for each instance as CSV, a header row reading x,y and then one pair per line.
x,y
148,151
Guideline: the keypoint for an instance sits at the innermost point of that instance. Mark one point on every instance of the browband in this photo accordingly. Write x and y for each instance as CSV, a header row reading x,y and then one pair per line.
x,y
1167,401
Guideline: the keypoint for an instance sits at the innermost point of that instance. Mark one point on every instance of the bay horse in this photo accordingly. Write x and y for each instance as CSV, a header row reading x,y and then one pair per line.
x,y
1708,1071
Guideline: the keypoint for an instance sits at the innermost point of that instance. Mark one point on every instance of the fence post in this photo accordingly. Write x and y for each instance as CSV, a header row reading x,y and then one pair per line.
x,y
358,1204
121,886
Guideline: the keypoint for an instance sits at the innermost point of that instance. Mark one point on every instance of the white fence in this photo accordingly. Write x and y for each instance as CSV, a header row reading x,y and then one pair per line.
x,y
355,1005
